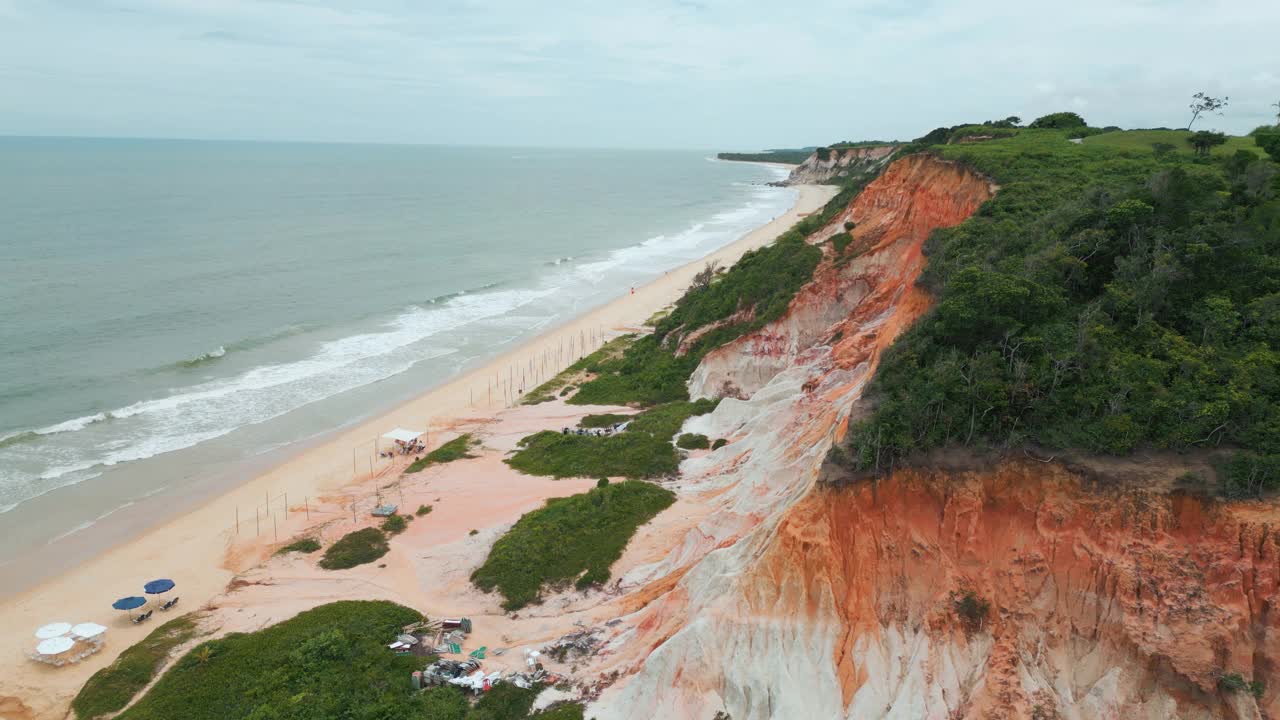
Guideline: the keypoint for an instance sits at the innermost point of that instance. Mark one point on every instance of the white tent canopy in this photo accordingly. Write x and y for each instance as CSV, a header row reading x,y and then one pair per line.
x,y
88,630
54,646
53,630
403,435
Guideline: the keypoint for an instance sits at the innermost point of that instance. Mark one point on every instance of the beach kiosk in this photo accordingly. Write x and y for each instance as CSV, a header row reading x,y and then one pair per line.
x,y
404,439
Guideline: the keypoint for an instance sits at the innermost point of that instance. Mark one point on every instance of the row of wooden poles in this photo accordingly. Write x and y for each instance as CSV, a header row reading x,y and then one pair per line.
x,y
537,370
532,373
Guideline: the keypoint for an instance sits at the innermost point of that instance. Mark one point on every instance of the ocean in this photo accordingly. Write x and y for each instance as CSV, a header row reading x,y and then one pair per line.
x,y
172,310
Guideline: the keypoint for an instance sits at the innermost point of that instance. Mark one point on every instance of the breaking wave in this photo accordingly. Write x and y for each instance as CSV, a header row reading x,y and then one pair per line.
x,y
205,358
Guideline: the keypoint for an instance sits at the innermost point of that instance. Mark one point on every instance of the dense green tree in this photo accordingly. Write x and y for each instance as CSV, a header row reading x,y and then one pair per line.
x,y
1269,142
1103,300
1058,121
1205,140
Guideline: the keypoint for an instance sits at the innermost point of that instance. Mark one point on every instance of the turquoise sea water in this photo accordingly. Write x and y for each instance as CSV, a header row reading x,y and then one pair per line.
x,y
161,297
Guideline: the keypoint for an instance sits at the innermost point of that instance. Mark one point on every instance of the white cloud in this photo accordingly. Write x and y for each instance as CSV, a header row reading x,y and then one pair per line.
x,y
711,73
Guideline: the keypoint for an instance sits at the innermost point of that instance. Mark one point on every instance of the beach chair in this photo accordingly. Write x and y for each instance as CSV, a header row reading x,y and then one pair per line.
x,y
169,604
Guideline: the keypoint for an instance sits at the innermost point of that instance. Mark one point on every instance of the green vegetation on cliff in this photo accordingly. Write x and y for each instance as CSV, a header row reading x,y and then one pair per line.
x,y
573,539
643,450
456,449
788,157
329,662
1110,297
112,687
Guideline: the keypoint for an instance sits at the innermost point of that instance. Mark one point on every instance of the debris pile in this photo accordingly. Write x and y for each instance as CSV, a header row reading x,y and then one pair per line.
x,y
574,645
444,671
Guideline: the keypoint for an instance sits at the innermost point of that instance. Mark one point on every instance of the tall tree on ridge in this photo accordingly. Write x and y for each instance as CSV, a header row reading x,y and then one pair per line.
x,y
1202,103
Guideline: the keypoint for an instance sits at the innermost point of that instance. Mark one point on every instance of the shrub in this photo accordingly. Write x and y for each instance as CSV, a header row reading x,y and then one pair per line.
x,y
840,241
1269,142
455,449
971,609
599,421
719,443
1205,140
395,524
330,661
302,545
355,548
1250,475
643,451
1235,682
569,539
693,441
112,687
423,510
602,482
1058,121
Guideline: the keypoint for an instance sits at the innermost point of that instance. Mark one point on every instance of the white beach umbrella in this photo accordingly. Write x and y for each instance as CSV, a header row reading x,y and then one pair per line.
x,y
88,630
55,646
53,630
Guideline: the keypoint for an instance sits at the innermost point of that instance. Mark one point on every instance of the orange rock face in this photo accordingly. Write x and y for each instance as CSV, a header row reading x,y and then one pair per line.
x,y
1104,603
868,300
798,600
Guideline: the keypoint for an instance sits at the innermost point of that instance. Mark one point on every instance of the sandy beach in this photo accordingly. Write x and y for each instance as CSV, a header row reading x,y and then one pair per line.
x,y
314,491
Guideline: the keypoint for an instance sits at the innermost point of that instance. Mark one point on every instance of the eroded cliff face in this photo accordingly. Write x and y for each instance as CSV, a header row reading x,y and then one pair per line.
x,y
796,599
852,303
1121,600
828,163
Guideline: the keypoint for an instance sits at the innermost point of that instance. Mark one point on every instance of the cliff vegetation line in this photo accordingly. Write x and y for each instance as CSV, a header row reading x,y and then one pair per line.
x,y
1110,297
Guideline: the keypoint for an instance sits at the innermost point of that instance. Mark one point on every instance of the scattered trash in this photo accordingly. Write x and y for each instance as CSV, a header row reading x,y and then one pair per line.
x,y
478,654
614,622
385,510
499,651
443,671
477,681
463,624
574,645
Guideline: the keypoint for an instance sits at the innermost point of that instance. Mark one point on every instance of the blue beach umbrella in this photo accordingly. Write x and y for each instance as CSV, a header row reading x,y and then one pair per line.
x,y
129,603
155,587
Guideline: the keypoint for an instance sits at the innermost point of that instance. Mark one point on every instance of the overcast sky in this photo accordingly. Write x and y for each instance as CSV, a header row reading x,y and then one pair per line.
x,y
722,74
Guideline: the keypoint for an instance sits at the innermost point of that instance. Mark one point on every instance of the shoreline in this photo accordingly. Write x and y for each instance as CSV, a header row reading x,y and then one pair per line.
x,y
199,547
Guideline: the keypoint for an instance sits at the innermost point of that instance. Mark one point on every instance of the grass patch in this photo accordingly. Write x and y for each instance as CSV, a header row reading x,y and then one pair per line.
x,y
556,386
112,687
693,441
719,443
1145,140
605,420
423,510
643,450
396,524
301,545
330,661
456,449
573,539
355,548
